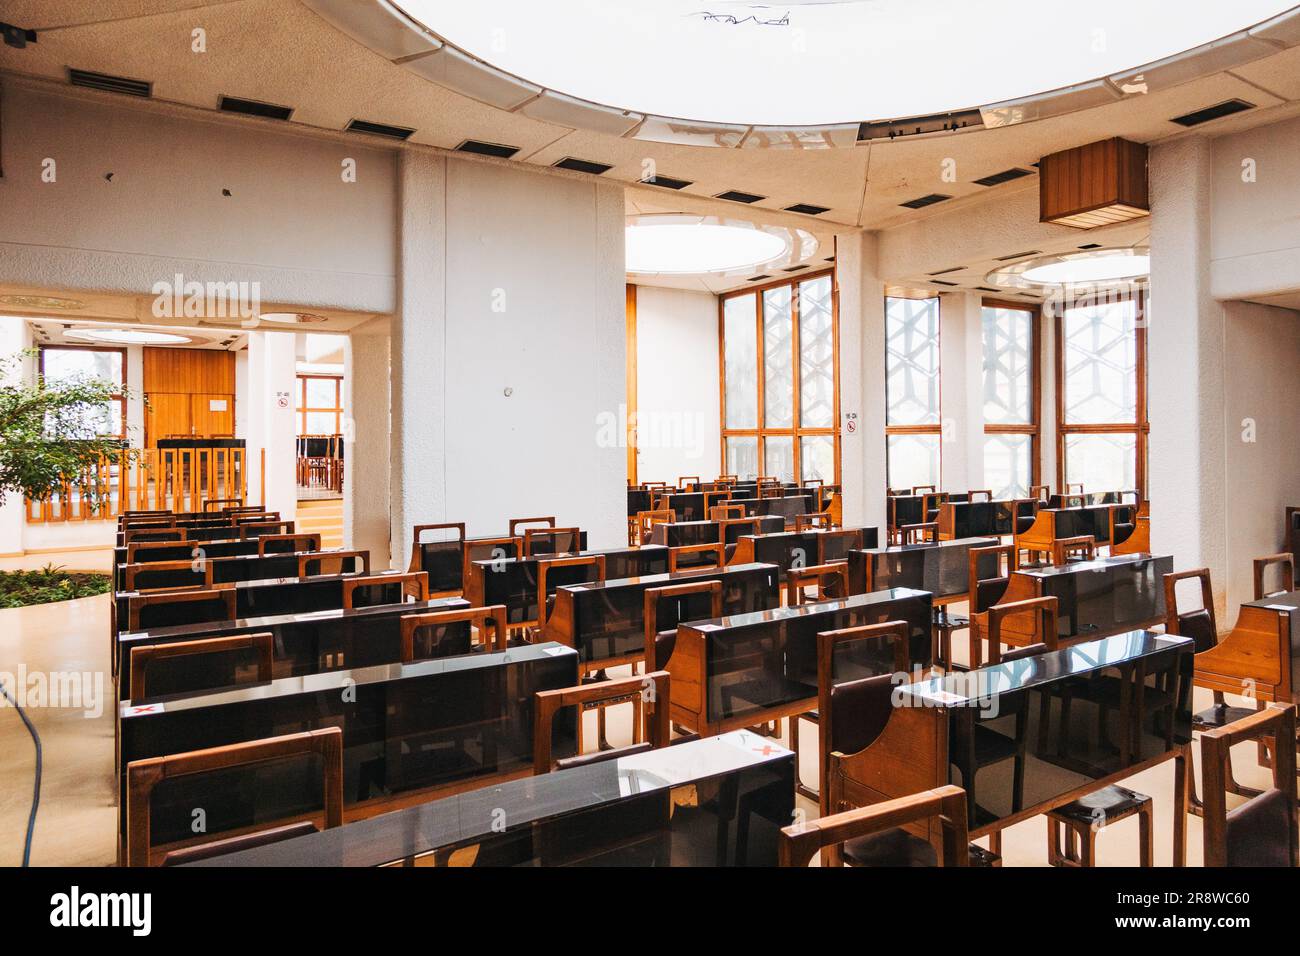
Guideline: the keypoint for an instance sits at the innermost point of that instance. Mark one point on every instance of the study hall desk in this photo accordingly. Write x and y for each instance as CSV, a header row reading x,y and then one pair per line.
x,y
713,802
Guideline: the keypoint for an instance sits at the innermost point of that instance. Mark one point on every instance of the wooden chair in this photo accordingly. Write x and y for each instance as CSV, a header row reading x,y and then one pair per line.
x,y
1079,548
650,698
1073,488
510,546
688,483
727,513
417,556
646,521
147,655
818,519
946,805
918,533
544,568
483,619
414,586
715,548
332,562
986,494
1262,831
255,529
660,642
220,504
984,593
830,580
1040,493
1072,829
148,521
153,534
557,540
287,543
923,489
144,776
517,523
1283,561
166,608
198,573
715,499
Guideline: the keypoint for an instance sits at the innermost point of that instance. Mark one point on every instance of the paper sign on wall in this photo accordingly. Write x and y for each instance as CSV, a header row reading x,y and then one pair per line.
x,y
216,404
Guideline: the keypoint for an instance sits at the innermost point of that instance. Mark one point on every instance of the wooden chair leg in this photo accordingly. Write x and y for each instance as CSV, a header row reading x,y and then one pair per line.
x,y
1146,833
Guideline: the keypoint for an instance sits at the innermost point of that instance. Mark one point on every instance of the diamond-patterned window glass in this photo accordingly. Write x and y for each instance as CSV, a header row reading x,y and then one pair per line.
x,y
778,358
912,362
1101,364
817,457
1008,366
740,338
913,460
1101,462
816,356
1007,465
742,456
778,457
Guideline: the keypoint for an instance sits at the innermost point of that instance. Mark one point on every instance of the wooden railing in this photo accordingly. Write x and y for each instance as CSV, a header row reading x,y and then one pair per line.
x,y
164,479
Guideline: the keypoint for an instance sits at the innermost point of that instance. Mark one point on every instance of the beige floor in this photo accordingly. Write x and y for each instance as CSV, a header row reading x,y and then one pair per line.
x,y
77,819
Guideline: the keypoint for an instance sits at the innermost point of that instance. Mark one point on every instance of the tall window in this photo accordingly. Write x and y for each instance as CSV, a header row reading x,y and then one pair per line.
x,y
780,391
1010,399
912,424
320,405
1101,394
64,364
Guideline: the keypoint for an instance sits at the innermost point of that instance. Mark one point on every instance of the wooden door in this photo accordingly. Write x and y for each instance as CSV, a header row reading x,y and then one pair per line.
x,y
168,413
213,415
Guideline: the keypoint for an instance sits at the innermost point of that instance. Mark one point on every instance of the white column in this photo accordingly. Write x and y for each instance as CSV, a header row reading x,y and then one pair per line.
x,y
1187,454
135,400
862,379
1047,409
272,425
366,437
15,336
961,364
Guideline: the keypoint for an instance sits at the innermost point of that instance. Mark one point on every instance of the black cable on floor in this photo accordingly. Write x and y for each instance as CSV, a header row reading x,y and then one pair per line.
x,y
36,788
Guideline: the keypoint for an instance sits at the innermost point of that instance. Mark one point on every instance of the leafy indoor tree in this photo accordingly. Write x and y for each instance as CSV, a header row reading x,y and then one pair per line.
x,y
50,433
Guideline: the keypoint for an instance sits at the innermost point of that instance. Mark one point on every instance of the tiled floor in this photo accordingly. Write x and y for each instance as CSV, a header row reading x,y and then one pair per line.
x,y
77,819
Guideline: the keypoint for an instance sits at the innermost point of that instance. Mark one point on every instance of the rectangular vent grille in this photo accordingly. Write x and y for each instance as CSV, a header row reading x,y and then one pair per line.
x,y
984,288
944,272
1217,111
735,195
923,201
1005,176
667,182
794,268
583,166
808,209
233,104
1091,245
758,278
110,84
1019,255
499,150
379,129
942,282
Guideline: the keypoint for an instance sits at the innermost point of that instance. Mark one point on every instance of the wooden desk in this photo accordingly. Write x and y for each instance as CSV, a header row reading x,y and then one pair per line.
x,y
803,549
942,568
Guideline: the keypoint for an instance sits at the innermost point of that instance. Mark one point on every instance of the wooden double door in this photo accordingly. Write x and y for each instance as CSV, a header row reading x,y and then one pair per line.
x,y
191,393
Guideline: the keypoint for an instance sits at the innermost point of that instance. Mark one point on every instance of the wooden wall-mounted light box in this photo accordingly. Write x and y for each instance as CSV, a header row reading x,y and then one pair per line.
x,y
1095,185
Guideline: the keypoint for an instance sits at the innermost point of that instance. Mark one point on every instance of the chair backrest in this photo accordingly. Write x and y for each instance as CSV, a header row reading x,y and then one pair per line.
x,y
153,534
287,543
802,841
985,494
332,562
917,533
417,553
1287,565
985,592
660,642
1197,624
255,529
654,689
688,482
1043,608
484,619
516,523
831,581
726,512
1073,488
168,575
414,585
1041,493
143,777
818,519
546,565
923,489
147,655
689,551
220,504
1079,548
147,521
551,541
166,608
1262,831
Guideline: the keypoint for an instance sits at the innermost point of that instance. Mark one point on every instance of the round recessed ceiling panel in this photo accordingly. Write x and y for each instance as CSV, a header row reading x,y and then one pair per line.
x,y
1090,268
128,336
816,62
675,244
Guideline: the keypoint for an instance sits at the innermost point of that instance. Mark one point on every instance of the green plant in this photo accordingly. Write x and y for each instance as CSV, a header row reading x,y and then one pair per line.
x,y
48,435
50,583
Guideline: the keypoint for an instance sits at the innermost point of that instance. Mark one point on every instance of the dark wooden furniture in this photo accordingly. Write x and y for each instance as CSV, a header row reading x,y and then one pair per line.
x,y
801,549
1108,525
652,691
437,639
941,810
1072,829
147,655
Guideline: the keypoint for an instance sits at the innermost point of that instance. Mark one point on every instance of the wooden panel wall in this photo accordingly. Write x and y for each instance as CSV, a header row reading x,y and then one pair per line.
x,y
181,385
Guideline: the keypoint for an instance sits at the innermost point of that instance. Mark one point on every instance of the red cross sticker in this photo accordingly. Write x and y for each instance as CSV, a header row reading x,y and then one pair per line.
x,y
766,750
146,709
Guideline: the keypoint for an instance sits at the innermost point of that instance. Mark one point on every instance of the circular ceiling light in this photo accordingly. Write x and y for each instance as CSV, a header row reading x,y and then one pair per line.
x,y
38,302
802,62
1093,267
696,245
128,336
296,318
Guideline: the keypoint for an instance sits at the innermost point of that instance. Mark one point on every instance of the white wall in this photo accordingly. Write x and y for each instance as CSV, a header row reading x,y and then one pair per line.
x,y
1261,422
677,384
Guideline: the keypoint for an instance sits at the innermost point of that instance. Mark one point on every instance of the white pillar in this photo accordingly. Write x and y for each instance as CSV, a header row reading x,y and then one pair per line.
x,y
961,362
135,400
15,336
366,436
1187,454
1046,358
862,380
272,420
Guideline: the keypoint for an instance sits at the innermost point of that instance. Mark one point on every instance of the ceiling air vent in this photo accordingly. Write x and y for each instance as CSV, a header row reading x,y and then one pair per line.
x,y
997,179
1019,255
233,104
758,278
942,282
735,195
794,268
808,209
1091,245
110,84
379,129
583,166
923,201
667,182
984,288
1219,111
944,272
498,150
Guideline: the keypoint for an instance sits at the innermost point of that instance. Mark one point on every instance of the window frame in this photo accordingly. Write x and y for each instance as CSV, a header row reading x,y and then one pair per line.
x,y
301,410
798,432
935,429
1035,429
1140,428
120,397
